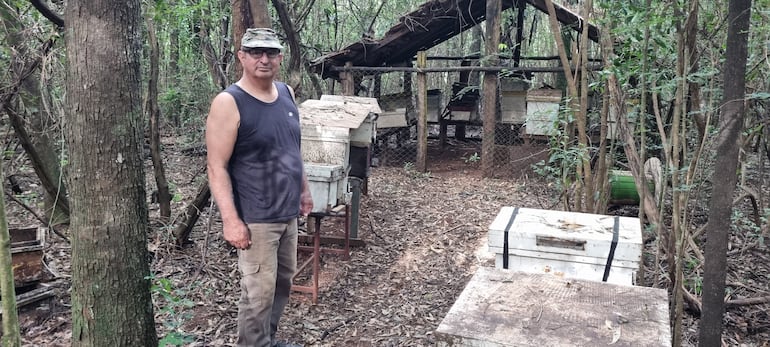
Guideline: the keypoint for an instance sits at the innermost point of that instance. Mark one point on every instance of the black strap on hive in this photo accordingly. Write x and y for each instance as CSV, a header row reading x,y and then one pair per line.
x,y
613,246
505,237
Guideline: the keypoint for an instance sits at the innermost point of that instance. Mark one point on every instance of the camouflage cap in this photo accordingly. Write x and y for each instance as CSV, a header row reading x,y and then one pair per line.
x,y
260,37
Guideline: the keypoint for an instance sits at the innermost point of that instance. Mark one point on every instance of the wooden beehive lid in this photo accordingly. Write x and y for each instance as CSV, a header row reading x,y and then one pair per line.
x,y
513,84
334,113
507,308
375,105
544,95
323,171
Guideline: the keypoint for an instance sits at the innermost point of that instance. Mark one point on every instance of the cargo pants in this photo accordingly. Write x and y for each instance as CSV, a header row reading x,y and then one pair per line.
x,y
267,268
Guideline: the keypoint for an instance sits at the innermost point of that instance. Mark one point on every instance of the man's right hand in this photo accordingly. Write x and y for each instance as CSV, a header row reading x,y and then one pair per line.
x,y
237,234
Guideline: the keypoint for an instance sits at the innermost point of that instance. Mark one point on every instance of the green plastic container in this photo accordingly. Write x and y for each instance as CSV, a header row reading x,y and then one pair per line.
x,y
623,188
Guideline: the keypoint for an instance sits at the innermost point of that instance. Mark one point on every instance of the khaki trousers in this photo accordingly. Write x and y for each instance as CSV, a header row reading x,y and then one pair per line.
x,y
266,271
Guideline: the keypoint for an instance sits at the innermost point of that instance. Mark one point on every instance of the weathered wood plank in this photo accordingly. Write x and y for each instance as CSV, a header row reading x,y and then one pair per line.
x,y
506,308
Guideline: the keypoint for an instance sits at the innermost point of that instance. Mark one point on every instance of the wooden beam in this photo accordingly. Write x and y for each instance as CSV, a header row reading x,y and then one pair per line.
x,y
367,69
569,18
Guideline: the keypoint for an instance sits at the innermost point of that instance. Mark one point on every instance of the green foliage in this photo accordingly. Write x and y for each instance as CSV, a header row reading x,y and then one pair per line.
x,y
474,158
564,155
171,303
411,170
176,196
696,283
185,85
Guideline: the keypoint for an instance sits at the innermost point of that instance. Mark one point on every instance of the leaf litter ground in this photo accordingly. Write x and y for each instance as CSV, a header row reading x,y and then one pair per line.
x,y
424,237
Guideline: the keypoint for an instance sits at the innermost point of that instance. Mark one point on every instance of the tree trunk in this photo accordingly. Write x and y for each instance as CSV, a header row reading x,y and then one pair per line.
x,y
477,36
581,117
247,14
727,141
10,334
584,181
33,132
489,99
218,74
260,17
173,74
153,113
294,68
183,230
111,302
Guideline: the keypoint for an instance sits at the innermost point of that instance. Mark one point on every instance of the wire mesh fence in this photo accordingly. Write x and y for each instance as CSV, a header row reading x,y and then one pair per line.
x,y
454,121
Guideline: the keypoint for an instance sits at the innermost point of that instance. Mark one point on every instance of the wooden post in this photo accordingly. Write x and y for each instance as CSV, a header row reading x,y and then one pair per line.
x,y
348,82
377,90
521,5
489,105
422,114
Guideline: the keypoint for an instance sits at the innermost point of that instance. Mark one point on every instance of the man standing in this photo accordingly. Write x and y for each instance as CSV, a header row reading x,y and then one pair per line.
x,y
257,179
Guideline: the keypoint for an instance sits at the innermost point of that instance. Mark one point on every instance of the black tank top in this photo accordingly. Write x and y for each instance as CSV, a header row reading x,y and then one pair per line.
x,y
266,164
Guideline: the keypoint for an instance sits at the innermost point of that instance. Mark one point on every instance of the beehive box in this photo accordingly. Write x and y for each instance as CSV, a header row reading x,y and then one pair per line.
x,y
27,254
355,107
513,101
567,244
509,308
325,144
434,105
513,107
327,185
392,119
542,111
460,114
366,133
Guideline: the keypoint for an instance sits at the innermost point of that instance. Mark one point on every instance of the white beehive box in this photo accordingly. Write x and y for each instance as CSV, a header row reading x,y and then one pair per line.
x,y
325,144
567,244
326,183
366,133
542,111
363,133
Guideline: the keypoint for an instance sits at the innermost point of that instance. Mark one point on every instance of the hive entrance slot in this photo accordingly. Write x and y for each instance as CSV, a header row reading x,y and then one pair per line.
x,y
549,241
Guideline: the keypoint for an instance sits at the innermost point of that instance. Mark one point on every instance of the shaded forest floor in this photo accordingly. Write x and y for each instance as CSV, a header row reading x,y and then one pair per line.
x,y
424,236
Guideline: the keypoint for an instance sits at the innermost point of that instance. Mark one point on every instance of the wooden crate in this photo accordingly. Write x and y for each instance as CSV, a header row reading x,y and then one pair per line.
x,y
508,308
27,254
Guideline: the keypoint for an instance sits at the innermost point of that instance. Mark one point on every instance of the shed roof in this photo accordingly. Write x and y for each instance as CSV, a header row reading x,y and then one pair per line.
x,y
431,24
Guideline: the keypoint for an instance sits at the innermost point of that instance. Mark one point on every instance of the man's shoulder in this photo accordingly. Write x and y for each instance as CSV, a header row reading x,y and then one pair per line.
x,y
283,87
233,89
